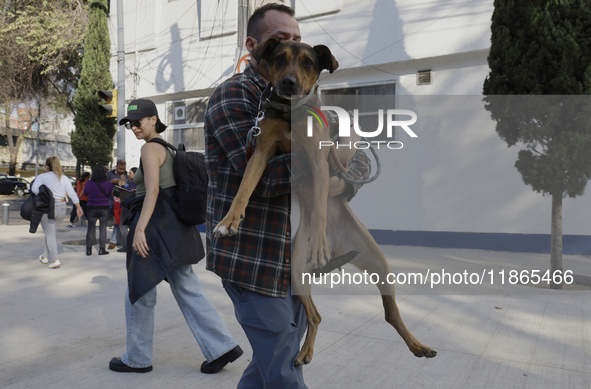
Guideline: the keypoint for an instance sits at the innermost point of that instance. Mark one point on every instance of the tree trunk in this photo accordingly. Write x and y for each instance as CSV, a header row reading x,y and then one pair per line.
x,y
13,152
78,170
556,238
17,148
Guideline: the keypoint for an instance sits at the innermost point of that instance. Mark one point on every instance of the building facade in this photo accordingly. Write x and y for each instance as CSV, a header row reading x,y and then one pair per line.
x,y
455,182
52,140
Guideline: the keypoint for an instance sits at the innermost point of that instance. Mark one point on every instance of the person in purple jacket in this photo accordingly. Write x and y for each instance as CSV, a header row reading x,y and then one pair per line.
x,y
97,189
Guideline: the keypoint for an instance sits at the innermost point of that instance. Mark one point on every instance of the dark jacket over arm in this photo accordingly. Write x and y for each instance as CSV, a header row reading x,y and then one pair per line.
x,y
42,203
171,243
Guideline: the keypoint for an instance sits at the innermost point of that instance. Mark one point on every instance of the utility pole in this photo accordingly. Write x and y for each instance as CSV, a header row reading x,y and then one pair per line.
x,y
243,15
120,81
241,52
135,66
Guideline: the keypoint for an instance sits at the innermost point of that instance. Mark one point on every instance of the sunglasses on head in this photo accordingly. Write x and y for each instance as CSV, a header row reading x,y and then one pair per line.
x,y
134,123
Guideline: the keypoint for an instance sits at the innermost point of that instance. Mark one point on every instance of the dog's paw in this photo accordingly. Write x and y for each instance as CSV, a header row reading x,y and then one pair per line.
x,y
228,226
220,231
318,252
425,352
303,358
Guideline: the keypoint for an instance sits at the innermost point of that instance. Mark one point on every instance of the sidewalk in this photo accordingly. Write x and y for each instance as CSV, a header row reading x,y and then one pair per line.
x,y
15,209
59,328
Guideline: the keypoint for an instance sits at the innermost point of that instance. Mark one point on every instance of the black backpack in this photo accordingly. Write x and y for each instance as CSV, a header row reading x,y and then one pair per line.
x,y
190,175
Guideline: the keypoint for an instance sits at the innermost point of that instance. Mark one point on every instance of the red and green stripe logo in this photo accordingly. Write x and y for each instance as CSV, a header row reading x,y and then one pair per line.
x,y
316,113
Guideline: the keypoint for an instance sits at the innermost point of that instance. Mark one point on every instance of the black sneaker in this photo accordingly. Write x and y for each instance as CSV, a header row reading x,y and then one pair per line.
x,y
218,364
117,365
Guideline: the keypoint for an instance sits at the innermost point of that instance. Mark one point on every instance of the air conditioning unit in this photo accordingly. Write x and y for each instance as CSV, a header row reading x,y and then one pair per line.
x,y
179,113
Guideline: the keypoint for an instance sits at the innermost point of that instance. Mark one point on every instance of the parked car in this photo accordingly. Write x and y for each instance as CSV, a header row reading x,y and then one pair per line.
x,y
10,185
73,181
24,181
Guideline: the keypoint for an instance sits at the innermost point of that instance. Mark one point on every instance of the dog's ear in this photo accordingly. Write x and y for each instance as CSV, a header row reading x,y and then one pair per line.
x,y
325,58
264,50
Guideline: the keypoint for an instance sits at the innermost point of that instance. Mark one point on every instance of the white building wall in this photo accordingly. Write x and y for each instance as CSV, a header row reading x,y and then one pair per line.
x,y
455,178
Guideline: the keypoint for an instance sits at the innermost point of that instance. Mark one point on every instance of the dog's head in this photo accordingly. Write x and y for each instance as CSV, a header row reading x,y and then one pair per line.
x,y
294,67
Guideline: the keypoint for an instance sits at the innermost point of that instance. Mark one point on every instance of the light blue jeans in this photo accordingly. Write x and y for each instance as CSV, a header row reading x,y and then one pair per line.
x,y
50,229
115,235
204,321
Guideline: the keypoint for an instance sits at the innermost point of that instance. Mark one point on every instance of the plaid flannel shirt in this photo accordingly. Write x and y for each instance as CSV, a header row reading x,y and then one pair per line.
x,y
258,256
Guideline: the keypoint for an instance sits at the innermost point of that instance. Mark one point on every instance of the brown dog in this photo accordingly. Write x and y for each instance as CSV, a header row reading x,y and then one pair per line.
x,y
327,223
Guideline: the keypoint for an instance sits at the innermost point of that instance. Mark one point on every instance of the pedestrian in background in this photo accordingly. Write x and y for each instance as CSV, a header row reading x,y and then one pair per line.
x,y
116,234
131,185
118,176
97,189
123,228
59,185
119,173
83,199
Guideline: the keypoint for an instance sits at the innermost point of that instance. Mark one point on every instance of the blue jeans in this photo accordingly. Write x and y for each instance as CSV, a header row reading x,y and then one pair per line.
x,y
115,235
204,321
274,327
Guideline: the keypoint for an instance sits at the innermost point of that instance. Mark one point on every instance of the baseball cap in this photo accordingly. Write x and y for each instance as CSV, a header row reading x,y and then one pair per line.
x,y
139,109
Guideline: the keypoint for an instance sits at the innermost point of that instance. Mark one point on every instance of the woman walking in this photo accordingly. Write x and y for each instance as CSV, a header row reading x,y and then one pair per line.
x,y
161,246
59,185
97,208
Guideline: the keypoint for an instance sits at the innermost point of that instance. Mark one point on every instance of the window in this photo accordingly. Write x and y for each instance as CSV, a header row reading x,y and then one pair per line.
x,y
187,120
4,140
193,138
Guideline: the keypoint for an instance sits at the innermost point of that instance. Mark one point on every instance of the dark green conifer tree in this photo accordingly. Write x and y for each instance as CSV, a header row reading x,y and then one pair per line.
x,y
92,141
541,48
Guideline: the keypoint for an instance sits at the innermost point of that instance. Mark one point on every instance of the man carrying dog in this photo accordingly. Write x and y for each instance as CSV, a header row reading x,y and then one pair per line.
x,y
255,263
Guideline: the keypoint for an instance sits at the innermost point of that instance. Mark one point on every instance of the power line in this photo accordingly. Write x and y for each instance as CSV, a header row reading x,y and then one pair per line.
x,y
362,60
206,49
341,46
420,29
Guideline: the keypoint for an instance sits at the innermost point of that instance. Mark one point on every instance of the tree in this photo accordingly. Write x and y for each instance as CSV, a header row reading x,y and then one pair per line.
x,y
92,142
541,48
40,56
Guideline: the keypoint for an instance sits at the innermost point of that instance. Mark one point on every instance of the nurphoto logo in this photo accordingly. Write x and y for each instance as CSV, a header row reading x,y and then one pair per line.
x,y
345,127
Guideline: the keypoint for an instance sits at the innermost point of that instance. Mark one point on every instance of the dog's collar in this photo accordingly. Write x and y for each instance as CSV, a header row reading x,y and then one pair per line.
x,y
285,108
